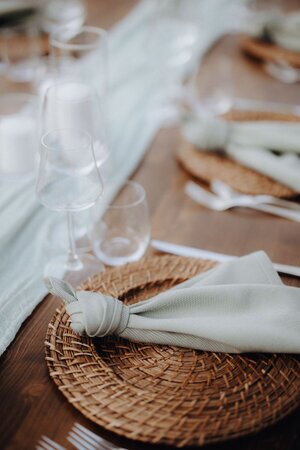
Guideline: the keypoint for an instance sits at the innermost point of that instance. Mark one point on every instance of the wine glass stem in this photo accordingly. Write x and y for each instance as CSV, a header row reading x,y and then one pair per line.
x,y
73,259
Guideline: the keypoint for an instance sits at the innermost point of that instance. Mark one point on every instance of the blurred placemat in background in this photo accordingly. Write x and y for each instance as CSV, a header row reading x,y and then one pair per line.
x,y
207,166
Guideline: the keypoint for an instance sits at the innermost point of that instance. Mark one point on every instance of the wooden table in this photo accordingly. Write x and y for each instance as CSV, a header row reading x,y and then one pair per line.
x,y
30,404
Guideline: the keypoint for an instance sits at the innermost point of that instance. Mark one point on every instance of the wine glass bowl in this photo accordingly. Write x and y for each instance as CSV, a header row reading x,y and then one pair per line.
x,y
122,233
82,54
69,180
173,61
68,176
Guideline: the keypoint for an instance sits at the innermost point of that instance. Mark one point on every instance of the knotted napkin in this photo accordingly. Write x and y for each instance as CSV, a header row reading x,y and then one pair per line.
x,y
239,306
272,148
281,29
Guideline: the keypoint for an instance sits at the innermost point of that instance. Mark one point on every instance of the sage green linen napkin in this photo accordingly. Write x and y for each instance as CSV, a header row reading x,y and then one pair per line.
x,y
271,148
282,29
239,306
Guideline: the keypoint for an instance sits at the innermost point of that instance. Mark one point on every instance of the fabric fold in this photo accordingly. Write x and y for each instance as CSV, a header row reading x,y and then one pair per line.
x,y
239,306
271,148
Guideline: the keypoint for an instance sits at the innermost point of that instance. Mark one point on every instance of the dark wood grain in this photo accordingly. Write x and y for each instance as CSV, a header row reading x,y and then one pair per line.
x,y
30,403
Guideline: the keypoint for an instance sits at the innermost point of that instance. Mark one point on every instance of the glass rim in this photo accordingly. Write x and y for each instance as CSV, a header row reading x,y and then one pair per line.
x,y
140,192
57,43
70,80
82,132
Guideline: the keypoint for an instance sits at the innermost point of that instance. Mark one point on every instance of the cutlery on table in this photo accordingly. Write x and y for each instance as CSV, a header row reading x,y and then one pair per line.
x,y
223,190
181,250
282,71
84,439
46,443
218,203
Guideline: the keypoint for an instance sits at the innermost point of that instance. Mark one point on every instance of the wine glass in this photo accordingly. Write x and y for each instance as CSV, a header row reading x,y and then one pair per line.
x,y
22,49
74,104
77,53
171,42
213,92
82,54
69,180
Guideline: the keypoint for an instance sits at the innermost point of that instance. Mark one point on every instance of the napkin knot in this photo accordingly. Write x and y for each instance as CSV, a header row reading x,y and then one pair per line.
x,y
209,132
239,306
92,313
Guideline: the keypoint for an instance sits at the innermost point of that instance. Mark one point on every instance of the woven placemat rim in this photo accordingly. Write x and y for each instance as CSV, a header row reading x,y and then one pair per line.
x,y
60,311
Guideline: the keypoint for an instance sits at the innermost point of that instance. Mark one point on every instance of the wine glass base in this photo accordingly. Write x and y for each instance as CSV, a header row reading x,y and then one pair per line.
x,y
87,266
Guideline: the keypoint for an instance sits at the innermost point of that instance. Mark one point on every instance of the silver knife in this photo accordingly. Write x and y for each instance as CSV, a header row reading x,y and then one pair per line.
x,y
182,250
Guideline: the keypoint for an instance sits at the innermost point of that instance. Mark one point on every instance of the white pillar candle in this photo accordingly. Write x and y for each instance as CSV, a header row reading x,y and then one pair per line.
x,y
18,144
69,107
73,104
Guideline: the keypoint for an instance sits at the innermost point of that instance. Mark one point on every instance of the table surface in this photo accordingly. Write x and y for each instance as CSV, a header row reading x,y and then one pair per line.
x,y
30,403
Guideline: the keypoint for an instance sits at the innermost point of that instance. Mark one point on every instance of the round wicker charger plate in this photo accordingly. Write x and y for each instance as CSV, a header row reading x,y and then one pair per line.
x,y
269,52
162,394
208,165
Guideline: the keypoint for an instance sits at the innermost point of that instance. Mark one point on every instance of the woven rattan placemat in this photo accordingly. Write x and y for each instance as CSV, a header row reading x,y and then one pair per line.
x,y
163,394
269,52
208,165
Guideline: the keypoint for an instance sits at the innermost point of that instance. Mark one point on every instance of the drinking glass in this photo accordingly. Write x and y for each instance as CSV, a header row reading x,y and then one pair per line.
x,y
75,104
171,42
122,233
81,54
69,180
22,50
18,136
212,90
